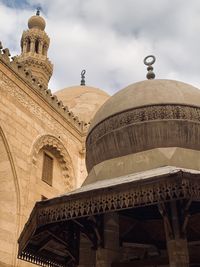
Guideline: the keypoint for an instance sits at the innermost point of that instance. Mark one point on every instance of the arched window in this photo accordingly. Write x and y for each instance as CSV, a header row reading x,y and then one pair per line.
x,y
54,165
37,46
52,170
28,45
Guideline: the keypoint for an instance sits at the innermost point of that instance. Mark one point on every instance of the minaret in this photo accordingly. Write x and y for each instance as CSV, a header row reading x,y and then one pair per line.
x,y
34,48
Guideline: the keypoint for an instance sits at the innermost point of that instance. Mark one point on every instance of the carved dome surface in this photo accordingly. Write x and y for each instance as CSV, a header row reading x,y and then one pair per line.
x,y
36,22
145,115
83,101
148,92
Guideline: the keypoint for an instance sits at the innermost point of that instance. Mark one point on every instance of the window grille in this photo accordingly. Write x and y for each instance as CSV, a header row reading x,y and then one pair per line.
x,y
47,172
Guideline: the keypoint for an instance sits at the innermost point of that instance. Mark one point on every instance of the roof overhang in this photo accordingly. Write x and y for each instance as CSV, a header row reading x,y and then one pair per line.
x,y
121,193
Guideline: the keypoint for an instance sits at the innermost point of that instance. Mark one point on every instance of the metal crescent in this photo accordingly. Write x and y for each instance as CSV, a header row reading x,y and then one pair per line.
x,y
83,72
151,62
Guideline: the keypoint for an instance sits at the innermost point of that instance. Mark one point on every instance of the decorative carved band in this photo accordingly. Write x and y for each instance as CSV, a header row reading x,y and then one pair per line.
x,y
141,129
119,198
143,114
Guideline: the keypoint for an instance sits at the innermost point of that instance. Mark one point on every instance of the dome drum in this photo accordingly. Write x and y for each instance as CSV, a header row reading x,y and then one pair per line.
x,y
116,133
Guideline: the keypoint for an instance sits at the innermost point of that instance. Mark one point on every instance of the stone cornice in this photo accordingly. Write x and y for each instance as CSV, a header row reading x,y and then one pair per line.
x,y
37,60
26,76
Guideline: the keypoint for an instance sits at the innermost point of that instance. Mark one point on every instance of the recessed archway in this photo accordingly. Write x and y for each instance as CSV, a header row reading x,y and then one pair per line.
x,y
10,204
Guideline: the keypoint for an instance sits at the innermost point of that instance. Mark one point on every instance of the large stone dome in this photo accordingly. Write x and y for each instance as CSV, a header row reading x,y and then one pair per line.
x,y
83,101
144,116
148,92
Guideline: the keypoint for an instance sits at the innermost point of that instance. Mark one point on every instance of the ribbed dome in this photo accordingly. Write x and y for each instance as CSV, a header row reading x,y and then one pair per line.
x,y
36,22
83,101
145,115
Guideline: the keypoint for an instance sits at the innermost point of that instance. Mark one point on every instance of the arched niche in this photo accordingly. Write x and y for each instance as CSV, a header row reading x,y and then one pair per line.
x,y
28,45
37,46
10,205
63,181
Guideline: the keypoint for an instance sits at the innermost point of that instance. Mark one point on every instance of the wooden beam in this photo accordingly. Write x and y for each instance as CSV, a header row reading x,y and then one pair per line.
x,y
167,223
186,216
63,243
92,233
43,244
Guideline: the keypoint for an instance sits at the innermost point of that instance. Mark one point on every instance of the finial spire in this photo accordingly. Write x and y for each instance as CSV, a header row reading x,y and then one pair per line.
x,y
38,11
83,77
149,61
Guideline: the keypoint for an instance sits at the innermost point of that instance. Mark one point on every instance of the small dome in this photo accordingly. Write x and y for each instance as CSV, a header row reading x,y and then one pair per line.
x,y
36,22
83,101
145,115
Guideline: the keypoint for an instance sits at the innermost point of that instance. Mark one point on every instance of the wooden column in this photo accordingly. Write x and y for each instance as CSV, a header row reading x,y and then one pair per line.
x,y
86,253
177,245
110,252
178,253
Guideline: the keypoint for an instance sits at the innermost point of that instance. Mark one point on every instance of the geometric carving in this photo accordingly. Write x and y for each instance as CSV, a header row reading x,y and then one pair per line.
x,y
56,147
161,189
147,113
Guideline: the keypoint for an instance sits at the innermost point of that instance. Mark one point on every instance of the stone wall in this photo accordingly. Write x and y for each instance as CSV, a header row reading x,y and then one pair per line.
x,y
29,125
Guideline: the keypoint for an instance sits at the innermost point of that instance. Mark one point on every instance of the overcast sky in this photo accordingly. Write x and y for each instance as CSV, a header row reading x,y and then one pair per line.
x,y
110,38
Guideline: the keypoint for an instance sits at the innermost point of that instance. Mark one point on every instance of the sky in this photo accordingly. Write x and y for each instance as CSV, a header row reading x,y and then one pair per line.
x,y
110,39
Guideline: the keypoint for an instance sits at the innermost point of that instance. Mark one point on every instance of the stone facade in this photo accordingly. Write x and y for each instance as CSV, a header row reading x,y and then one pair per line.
x,y
32,122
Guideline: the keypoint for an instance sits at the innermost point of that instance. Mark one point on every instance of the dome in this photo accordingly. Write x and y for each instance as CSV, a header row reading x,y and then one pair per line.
x,y
83,101
148,92
144,116
36,22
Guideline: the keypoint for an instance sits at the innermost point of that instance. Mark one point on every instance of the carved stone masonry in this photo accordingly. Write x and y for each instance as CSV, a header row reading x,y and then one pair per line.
x,y
33,82
55,146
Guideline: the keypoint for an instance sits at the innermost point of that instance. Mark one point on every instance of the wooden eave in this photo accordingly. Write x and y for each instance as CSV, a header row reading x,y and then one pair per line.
x,y
122,193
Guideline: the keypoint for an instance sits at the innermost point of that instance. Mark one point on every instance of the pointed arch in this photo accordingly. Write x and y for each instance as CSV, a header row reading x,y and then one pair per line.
x,y
37,46
28,45
57,148
10,196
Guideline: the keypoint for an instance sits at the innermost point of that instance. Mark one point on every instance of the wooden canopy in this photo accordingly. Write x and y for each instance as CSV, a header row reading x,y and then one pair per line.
x,y
51,235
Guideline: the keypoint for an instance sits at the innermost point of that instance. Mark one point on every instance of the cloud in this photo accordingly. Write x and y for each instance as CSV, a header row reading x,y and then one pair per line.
x,y
110,39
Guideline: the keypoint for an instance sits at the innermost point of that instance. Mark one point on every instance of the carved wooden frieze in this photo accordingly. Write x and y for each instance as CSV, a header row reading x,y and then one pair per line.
x,y
119,198
134,194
